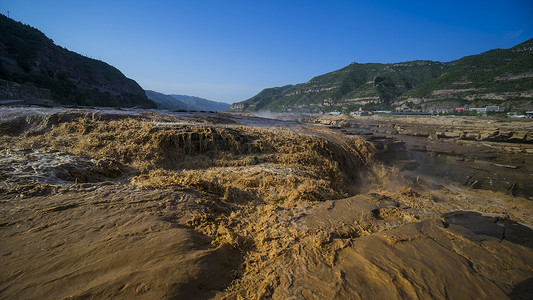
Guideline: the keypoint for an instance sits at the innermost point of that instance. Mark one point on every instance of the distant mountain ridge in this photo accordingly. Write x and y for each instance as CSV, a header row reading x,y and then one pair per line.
x,y
166,101
497,77
28,57
201,104
183,102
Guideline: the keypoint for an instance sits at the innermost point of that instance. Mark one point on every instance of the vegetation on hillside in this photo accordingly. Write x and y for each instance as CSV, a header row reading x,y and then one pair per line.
x,y
495,71
28,57
378,84
497,77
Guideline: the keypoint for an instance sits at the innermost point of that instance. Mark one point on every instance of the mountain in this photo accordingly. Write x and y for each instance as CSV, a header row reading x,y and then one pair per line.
x,y
28,57
369,85
183,102
166,101
201,103
501,77
497,77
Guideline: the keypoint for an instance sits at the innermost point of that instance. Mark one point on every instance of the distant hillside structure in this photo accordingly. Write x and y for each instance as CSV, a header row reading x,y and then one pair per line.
x,y
484,109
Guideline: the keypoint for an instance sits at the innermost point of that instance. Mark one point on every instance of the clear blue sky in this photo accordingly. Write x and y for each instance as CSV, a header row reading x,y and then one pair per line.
x,y
230,50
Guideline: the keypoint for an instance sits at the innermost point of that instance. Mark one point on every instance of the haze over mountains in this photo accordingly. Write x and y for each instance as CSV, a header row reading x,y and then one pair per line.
x,y
501,77
183,102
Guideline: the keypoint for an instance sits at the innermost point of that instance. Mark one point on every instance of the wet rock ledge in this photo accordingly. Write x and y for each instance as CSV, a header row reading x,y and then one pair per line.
x,y
493,154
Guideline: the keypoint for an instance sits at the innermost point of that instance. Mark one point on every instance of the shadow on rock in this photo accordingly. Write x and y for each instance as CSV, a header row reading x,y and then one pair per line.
x,y
478,227
523,290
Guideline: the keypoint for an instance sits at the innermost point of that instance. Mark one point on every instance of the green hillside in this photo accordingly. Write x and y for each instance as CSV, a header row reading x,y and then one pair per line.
x,y
502,77
366,85
28,57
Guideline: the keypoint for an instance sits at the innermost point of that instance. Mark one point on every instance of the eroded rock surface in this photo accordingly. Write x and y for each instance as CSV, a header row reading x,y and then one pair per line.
x,y
480,153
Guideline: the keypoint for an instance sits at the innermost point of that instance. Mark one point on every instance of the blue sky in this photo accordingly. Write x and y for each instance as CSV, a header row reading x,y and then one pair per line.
x,y
230,50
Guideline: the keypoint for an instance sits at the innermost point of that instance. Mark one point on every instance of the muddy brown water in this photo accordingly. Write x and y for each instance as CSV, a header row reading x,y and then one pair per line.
x,y
248,208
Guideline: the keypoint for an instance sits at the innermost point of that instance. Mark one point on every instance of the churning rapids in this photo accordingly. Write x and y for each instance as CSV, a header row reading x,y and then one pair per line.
x,y
157,204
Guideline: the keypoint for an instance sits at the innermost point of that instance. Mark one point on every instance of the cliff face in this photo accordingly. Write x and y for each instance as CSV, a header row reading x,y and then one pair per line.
x,y
28,56
237,107
497,77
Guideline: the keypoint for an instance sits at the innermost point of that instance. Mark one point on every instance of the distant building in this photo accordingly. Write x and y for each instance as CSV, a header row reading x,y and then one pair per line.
x,y
382,111
485,109
403,107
